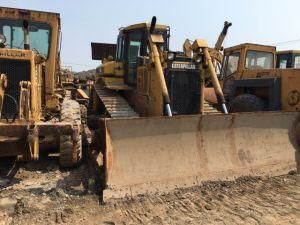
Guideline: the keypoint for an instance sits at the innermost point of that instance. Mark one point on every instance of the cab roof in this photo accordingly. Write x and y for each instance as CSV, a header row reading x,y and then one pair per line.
x,y
8,10
38,16
145,25
252,46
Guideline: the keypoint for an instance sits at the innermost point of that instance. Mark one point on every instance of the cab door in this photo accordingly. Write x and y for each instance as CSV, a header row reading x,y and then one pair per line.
x,y
135,46
229,72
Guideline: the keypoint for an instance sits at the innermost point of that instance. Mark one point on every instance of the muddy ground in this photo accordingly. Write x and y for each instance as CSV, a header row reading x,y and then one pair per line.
x,y
42,193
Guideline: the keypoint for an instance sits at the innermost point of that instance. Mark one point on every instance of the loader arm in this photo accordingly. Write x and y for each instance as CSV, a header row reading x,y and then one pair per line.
x,y
219,43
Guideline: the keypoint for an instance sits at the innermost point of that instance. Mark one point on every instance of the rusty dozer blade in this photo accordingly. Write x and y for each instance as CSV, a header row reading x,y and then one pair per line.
x,y
146,155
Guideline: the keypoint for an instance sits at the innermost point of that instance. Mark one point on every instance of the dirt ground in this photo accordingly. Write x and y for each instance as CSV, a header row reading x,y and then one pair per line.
x,y
42,193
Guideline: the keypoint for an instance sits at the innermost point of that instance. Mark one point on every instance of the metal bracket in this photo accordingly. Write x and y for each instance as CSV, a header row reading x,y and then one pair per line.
x,y
24,105
33,141
3,85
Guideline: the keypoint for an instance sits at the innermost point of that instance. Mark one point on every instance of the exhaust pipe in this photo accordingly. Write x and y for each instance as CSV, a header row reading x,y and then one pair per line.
x,y
153,23
26,35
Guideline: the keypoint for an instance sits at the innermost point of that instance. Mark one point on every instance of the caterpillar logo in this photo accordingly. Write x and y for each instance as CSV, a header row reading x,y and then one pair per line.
x,y
184,66
294,98
12,54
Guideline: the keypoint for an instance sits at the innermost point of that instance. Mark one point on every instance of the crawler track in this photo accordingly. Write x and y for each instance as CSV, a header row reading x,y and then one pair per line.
x,y
115,105
210,109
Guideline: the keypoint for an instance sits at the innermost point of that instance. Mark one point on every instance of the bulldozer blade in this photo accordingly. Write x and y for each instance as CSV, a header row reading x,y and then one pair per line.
x,y
149,155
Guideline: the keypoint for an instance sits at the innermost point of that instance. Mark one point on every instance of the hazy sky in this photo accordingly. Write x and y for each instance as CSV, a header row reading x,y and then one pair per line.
x,y
257,21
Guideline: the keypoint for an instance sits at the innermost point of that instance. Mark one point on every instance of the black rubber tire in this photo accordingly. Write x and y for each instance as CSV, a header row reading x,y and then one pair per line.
x,y
70,112
246,103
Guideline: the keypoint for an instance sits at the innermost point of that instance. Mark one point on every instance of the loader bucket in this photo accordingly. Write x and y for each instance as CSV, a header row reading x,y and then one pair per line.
x,y
146,155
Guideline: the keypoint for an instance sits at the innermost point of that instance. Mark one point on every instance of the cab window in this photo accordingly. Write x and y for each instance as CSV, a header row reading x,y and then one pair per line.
x,y
120,48
231,64
39,35
282,61
133,52
297,62
259,60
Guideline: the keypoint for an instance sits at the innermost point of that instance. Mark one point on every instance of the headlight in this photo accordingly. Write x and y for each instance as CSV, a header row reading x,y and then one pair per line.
x,y
171,56
198,59
2,39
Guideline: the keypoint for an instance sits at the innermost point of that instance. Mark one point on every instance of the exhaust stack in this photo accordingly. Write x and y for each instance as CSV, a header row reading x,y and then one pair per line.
x,y
26,35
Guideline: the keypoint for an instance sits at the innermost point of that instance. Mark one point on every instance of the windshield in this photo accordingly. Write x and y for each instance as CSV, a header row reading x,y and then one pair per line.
x,y
259,60
39,35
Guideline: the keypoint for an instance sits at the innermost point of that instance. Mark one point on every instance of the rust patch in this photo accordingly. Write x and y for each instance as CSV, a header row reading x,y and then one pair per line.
x,y
201,144
231,138
108,156
210,95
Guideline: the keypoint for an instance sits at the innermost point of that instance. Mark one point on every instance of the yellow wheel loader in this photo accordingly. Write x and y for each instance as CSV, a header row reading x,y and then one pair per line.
x,y
152,135
251,81
36,113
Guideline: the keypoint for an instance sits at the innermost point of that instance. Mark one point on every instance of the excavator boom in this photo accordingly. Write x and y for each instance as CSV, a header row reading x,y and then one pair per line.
x,y
219,43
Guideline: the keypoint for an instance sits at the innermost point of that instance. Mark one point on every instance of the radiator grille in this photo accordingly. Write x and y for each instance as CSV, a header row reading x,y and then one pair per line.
x,y
16,71
184,91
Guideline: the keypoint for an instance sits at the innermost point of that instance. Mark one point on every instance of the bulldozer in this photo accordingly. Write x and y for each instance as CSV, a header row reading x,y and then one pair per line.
x,y
151,132
288,59
129,74
37,114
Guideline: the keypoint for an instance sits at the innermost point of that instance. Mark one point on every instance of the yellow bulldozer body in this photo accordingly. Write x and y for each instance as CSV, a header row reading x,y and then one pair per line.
x,y
152,153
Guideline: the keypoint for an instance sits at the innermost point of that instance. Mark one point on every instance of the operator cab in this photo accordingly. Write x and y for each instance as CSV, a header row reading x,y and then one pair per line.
x,y
242,60
247,57
288,59
132,46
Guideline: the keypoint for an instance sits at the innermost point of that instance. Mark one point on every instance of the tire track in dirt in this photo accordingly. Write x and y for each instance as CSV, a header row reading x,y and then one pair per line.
x,y
47,195
256,201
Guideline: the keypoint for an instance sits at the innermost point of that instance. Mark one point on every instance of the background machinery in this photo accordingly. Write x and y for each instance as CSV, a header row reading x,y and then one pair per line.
x,y
36,112
288,59
251,81
77,87
151,132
